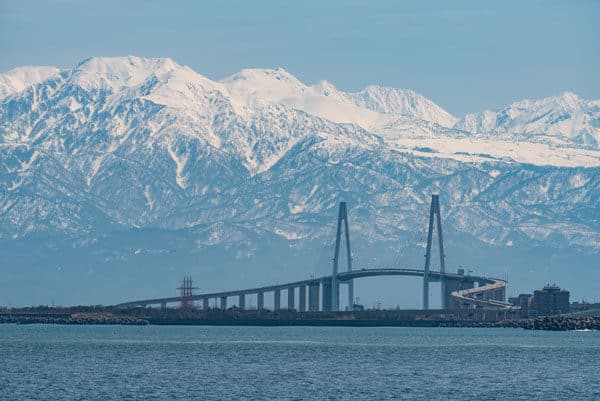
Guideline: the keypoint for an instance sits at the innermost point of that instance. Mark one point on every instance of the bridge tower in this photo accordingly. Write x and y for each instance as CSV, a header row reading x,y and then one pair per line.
x,y
335,286
434,212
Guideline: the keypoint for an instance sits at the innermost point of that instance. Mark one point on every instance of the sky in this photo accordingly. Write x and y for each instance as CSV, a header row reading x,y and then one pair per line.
x,y
465,55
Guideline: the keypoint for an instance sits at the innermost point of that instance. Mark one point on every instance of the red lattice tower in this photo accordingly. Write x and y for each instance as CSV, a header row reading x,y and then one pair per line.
x,y
186,288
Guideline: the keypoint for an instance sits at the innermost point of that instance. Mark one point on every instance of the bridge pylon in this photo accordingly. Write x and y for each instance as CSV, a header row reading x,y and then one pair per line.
x,y
434,213
335,285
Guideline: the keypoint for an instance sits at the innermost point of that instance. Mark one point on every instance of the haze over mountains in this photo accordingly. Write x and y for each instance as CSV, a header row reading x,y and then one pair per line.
x,y
122,174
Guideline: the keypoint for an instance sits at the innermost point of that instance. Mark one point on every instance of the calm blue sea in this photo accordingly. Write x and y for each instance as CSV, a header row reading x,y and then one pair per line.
x,y
44,362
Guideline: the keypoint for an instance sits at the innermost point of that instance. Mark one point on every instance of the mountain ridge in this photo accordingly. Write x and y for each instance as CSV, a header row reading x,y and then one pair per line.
x,y
565,119
401,124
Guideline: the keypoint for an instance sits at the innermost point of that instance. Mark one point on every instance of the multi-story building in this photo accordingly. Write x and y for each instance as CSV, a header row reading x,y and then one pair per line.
x,y
550,300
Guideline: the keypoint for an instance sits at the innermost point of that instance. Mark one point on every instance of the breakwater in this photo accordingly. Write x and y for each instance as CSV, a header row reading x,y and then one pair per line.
x,y
233,317
555,323
75,318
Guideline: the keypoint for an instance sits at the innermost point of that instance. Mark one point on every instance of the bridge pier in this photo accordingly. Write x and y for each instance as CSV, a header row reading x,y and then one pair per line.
x,y
500,294
163,306
313,297
242,301
260,300
350,295
277,299
327,295
224,303
426,290
290,292
447,290
446,298
302,298
205,304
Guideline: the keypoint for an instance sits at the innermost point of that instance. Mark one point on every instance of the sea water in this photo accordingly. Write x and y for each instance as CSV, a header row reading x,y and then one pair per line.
x,y
47,362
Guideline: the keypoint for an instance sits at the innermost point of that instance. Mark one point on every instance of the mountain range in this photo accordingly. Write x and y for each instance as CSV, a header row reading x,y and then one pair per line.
x,y
120,175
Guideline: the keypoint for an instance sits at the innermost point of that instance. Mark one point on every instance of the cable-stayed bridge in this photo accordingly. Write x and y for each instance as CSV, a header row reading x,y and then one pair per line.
x,y
458,290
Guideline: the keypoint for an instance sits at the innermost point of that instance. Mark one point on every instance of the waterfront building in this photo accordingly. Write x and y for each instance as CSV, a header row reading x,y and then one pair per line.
x,y
551,300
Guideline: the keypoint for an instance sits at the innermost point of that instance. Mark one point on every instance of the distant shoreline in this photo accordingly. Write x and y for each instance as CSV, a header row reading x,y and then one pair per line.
x,y
175,317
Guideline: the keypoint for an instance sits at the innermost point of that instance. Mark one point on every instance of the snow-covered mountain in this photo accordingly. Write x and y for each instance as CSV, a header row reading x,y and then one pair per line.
x,y
565,120
401,102
370,108
118,158
20,78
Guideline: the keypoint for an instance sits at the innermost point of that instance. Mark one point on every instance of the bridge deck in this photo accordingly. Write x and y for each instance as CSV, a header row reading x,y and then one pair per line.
x,y
342,277
470,296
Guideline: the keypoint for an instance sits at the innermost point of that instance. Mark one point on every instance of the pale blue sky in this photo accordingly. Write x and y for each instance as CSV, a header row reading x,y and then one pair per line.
x,y
465,55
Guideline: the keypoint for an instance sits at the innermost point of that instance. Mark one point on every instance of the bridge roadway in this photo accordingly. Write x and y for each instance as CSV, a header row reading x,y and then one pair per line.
x,y
460,291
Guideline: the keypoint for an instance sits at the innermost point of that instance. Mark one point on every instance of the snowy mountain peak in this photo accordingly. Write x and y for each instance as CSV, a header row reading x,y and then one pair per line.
x,y
127,67
404,102
566,101
118,72
263,75
571,99
370,108
564,120
325,87
19,78
262,85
